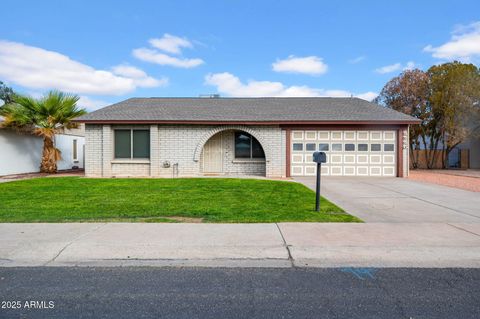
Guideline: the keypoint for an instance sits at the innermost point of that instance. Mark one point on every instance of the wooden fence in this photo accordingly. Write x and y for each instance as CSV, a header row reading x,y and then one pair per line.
x,y
422,163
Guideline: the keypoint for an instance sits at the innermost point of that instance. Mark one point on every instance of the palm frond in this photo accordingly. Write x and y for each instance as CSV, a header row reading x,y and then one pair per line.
x,y
51,113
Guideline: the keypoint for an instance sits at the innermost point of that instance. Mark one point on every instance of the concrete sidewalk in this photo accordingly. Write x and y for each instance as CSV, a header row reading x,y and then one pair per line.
x,y
241,245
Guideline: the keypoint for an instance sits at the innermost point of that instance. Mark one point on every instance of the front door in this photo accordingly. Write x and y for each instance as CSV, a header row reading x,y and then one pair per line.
x,y
212,155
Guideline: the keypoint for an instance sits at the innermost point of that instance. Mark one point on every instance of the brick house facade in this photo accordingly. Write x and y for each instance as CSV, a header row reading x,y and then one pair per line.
x,y
272,137
182,145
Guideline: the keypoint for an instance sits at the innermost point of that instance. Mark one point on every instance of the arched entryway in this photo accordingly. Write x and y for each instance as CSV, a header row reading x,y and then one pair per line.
x,y
233,152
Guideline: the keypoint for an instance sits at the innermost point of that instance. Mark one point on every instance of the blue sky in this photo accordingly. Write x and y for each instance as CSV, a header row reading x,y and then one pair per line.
x,y
107,51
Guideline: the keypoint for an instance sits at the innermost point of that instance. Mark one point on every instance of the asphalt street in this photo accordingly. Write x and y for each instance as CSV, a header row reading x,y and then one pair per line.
x,y
143,292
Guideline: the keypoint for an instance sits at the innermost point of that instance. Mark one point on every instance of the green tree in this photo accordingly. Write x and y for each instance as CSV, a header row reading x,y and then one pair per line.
x,y
44,117
408,93
6,93
455,103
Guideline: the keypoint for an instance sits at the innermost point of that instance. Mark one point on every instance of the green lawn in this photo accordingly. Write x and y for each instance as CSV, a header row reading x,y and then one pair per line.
x,y
228,200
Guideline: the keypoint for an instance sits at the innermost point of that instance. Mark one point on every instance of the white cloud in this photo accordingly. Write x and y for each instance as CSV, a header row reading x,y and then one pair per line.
x,y
91,104
410,65
312,65
37,68
389,68
230,85
368,96
464,44
170,43
153,56
139,77
357,59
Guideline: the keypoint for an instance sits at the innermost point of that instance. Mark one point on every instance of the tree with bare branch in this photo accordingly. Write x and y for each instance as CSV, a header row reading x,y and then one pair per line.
x,y
408,93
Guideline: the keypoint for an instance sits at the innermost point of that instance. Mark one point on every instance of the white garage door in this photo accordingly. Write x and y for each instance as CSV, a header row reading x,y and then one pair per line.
x,y
349,153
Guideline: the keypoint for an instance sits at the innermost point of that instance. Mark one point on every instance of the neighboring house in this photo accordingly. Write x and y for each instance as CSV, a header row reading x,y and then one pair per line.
x,y
273,137
21,152
463,156
473,146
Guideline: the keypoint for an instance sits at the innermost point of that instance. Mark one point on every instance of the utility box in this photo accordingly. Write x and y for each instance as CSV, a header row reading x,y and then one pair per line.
x,y
319,157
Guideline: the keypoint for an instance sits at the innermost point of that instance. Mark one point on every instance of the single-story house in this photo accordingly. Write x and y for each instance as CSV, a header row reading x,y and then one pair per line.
x,y
21,152
272,137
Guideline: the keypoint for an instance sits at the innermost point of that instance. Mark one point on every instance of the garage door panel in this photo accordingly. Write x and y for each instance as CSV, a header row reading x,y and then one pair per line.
x,y
349,159
311,135
297,135
389,135
297,170
375,159
388,159
388,171
362,135
336,170
362,159
375,171
297,158
310,170
323,135
336,159
362,170
336,135
349,135
325,170
349,170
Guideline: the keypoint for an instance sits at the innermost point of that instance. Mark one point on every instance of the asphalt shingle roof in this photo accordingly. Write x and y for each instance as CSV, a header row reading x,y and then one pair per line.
x,y
231,110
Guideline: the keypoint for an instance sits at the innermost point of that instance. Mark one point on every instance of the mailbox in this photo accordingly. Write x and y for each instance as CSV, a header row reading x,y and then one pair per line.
x,y
319,157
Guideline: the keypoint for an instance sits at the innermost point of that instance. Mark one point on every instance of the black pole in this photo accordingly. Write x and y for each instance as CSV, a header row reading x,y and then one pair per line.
x,y
317,198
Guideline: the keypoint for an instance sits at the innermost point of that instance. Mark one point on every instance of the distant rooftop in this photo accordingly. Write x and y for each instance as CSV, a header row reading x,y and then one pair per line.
x,y
242,110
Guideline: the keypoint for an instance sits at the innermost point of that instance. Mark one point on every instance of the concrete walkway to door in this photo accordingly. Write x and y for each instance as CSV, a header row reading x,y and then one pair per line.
x,y
399,200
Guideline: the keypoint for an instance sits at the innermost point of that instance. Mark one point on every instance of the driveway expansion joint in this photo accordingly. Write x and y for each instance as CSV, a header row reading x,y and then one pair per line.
x,y
465,230
287,247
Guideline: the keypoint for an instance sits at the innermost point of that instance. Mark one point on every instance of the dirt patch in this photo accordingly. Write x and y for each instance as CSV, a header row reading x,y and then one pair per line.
x,y
195,220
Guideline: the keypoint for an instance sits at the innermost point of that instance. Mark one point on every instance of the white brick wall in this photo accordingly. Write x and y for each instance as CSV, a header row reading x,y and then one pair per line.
x,y
130,169
93,150
181,144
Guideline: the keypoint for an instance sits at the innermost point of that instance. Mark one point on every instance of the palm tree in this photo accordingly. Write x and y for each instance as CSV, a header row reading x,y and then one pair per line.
x,y
44,117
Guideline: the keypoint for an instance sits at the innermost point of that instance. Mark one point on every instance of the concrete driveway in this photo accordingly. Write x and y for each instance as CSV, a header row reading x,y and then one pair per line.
x,y
399,200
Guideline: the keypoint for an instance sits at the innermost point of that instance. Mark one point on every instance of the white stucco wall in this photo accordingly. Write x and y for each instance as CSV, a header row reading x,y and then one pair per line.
x,y
65,144
21,153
